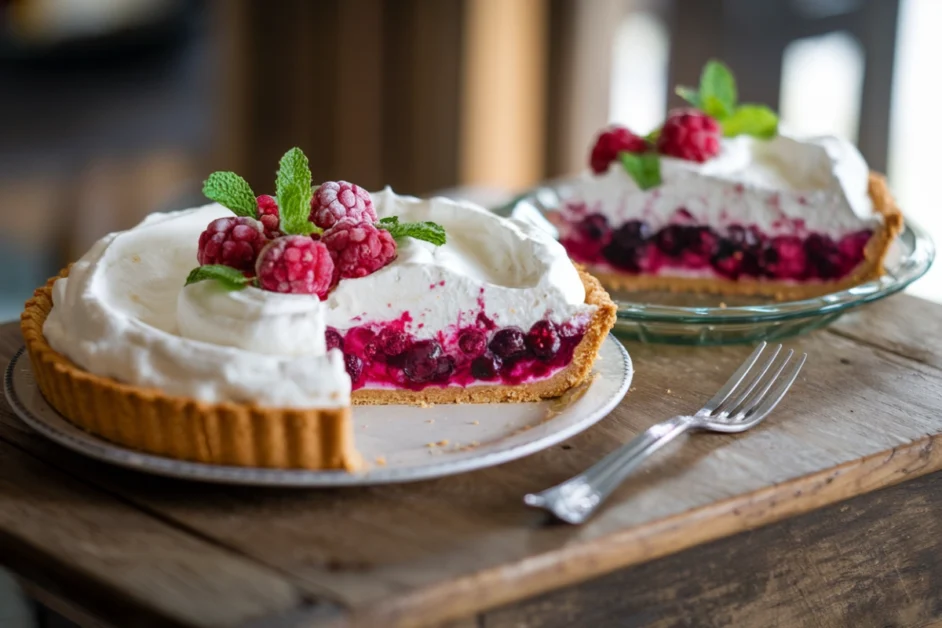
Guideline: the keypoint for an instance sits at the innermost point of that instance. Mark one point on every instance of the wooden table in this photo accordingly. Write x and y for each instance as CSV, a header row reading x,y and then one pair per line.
x,y
825,515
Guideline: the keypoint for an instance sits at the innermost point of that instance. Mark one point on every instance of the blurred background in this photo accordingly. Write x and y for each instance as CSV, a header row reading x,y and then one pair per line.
x,y
112,109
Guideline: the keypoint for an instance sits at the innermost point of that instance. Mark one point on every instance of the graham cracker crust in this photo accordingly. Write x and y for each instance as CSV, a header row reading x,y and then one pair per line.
x,y
870,268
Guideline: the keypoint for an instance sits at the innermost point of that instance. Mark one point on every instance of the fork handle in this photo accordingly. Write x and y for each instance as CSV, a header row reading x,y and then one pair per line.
x,y
577,498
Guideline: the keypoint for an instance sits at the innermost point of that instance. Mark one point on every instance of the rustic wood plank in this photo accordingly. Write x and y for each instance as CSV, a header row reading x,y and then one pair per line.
x,y
860,418
905,325
850,564
124,567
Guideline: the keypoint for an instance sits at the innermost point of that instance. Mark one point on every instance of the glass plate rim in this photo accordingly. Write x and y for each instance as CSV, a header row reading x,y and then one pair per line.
x,y
915,260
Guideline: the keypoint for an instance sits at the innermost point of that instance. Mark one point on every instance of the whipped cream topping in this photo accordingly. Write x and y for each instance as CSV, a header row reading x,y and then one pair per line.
x,y
772,184
124,313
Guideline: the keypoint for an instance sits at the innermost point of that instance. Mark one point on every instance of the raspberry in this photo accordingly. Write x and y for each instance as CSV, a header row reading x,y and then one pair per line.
x,y
611,142
359,249
295,264
388,344
232,241
335,200
268,215
333,338
689,134
353,365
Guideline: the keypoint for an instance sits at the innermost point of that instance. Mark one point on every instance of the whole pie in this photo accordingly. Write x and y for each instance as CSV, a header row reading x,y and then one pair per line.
x,y
717,200
241,332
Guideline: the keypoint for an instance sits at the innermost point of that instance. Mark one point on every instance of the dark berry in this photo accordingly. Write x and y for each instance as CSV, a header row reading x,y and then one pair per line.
x,y
334,339
543,340
446,366
509,342
627,245
472,342
594,227
420,361
785,258
354,366
486,366
823,256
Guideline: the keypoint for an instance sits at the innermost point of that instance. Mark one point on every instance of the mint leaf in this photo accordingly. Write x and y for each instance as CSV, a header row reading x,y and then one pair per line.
x,y
230,278
718,90
644,168
755,120
651,138
689,94
427,231
293,190
232,191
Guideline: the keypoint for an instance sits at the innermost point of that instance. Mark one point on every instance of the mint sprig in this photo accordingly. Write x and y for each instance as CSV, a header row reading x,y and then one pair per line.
x,y
228,277
293,191
644,168
427,231
232,191
717,96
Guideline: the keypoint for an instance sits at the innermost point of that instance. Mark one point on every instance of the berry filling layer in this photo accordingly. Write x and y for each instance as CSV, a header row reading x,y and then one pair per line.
x,y
385,355
735,251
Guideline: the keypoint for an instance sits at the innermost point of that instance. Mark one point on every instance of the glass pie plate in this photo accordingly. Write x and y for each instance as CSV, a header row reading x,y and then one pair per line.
x,y
693,319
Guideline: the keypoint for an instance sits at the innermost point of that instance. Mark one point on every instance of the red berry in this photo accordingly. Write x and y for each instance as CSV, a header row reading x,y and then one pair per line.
x,y
359,248
689,134
354,366
295,264
612,141
269,216
335,200
486,366
472,342
543,340
509,342
232,241
333,338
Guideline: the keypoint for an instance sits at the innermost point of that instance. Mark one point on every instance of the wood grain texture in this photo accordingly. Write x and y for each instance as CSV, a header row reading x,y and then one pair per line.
x,y
870,562
123,566
860,418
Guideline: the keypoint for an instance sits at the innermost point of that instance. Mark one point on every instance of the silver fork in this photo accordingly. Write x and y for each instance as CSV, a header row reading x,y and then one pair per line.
x,y
746,398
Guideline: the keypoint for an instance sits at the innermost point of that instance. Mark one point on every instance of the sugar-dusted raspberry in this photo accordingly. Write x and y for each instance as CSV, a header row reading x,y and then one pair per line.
x,y
232,241
268,215
335,200
295,264
612,141
689,134
359,248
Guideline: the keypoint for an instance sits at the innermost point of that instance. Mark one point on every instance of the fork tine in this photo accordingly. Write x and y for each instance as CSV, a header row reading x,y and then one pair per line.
x,y
734,380
769,403
752,383
757,397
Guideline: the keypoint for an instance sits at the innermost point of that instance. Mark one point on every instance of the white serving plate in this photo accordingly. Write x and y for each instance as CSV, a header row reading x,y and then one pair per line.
x,y
399,443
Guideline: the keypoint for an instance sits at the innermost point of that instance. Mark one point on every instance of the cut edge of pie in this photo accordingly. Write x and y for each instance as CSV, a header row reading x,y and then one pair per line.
x,y
871,267
247,435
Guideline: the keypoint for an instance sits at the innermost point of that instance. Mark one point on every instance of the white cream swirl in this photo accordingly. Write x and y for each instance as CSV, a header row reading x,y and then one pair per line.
x,y
123,311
